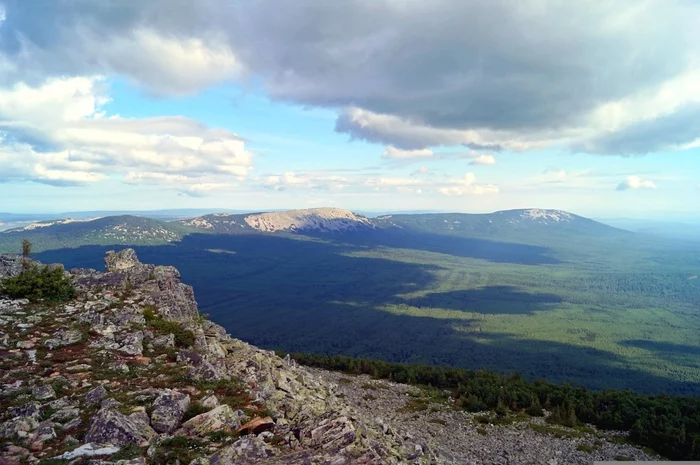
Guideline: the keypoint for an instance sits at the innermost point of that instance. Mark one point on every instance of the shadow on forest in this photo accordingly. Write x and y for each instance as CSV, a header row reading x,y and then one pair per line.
x,y
494,251
681,354
307,296
505,300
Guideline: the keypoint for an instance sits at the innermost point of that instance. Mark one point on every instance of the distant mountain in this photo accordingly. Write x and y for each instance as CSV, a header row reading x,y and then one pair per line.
x,y
112,230
532,226
528,225
667,229
301,221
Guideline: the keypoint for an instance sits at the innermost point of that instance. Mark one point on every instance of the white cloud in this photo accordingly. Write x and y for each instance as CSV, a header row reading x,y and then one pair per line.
x,y
468,186
57,133
483,160
393,152
490,75
291,180
635,182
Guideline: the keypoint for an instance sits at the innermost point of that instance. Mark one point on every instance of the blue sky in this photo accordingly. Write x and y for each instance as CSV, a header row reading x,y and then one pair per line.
x,y
272,110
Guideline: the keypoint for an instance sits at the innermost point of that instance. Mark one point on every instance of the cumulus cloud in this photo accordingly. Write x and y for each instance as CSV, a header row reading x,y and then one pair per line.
x,y
483,160
601,77
291,180
635,182
468,186
393,152
58,133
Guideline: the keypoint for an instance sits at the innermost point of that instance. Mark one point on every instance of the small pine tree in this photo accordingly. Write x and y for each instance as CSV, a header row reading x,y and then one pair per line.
x,y
26,248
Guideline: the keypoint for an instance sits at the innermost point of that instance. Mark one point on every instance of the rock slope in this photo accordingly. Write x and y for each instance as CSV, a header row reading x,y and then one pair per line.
x,y
129,373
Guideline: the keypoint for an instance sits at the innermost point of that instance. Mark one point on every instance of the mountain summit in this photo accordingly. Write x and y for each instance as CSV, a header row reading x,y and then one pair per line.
x,y
307,220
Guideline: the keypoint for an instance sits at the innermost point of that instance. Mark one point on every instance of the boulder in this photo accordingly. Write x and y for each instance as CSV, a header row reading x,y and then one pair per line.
x,y
16,426
122,260
45,392
63,337
220,418
132,343
10,266
111,427
168,410
257,425
30,409
248,450
95,396
88,450
163,341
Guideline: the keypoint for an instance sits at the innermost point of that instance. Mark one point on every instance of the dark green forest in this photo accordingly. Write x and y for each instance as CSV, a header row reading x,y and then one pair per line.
x,y
669,425
594,311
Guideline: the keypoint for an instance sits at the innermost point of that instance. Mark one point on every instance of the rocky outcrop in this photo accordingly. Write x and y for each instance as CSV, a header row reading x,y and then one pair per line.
x,y
94,379
313,219
111,427
10,265
168,409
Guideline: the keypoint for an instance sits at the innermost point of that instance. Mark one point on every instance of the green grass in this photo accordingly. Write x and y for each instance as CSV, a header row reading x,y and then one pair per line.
x,y
557,432
585,448
183,337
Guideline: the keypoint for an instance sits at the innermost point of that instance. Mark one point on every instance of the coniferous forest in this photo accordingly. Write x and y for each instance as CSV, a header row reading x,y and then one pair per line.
x,y
670,425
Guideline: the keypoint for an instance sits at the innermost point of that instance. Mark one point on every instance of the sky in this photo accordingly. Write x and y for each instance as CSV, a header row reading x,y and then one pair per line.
x,y
471,106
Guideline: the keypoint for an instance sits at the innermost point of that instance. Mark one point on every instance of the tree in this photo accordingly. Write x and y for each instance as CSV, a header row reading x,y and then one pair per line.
x,y
26,251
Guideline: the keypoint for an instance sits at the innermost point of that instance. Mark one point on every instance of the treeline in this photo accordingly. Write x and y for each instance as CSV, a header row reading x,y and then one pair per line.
x,y
667,424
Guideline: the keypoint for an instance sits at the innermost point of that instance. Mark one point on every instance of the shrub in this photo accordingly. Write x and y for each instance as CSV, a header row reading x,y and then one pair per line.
x,y
183,337
35,283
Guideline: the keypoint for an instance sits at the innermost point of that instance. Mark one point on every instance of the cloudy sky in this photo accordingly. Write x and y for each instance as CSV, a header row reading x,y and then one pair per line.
x,y
462,105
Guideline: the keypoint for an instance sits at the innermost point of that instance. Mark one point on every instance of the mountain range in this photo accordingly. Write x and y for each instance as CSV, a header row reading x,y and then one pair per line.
x,y
531,225
547,293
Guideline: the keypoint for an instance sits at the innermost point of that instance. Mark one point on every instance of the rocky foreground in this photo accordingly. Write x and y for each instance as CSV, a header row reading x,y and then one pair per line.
x,y
130,373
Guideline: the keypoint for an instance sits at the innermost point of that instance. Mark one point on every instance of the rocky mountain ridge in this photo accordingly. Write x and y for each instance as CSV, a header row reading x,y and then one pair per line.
x,y
130,373
308,220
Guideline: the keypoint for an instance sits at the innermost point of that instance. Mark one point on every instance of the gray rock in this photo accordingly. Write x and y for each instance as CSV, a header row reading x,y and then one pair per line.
x,y
30,409
16,426
221,418
64,337
122,260
248,450
163,341
109,403
111,427
45,432
168,410
132,343
10,266
65,414
210,402
95,396
45,392
88,450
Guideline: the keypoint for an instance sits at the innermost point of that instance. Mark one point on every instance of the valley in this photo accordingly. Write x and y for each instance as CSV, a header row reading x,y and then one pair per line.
x,y
569,300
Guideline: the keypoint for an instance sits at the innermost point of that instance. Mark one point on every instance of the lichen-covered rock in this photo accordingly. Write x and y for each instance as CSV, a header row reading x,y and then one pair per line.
x,y
221,418
168,410
131,343
43,393
245,451
163,341
30,409
95,396
122,260
10,266
64,337
111,427
257,425
16,426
